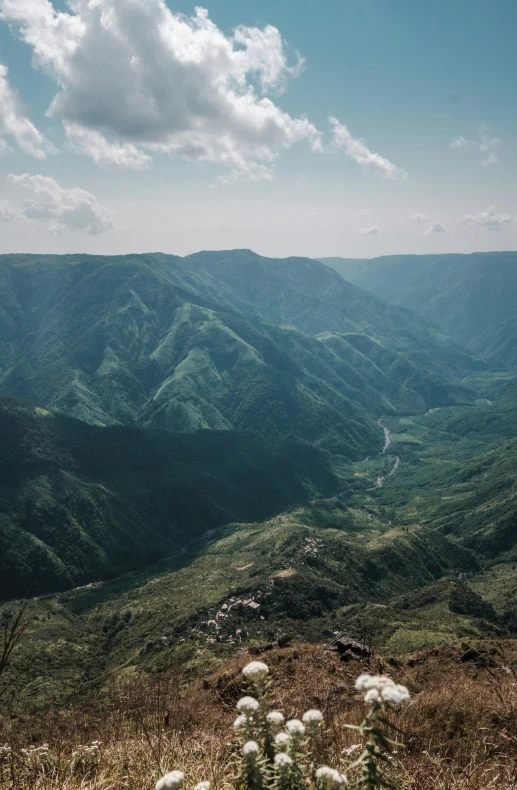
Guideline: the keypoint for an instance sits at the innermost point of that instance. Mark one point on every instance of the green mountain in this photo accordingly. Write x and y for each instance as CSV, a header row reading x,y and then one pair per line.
x,y
457,474
79,503
204,467
473,298
299,575
185,344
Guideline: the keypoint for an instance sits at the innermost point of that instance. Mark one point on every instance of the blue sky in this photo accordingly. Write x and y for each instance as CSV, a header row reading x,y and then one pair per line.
x,y
141,157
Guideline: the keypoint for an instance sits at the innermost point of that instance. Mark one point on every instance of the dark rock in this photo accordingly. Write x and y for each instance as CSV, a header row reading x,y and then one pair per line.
x,y
344,645
472,654
284,640
414,660
296,654
348,655
261,648
206,684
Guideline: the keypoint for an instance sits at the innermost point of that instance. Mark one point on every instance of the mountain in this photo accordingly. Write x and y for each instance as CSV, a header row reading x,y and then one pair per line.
x,y
473,298
226,341
191,613
344,266
457,474
79,502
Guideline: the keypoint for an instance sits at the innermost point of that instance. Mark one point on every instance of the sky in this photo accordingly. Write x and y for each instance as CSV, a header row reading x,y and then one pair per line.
x,y
290,127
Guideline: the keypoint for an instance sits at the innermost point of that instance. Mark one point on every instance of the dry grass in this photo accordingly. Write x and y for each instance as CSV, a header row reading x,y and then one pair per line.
x,y
460,726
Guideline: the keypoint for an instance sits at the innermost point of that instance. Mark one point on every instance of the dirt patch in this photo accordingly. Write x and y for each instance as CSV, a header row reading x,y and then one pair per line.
x,y
245,567
284,574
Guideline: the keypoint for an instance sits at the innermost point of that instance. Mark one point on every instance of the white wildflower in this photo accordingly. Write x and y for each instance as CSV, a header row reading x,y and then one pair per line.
x,y
171,781
282,740
295,727
395,693
255,671
5,752
380,688
202,786
330,778
347,751
239,723
247,705
283,761
250,749
312,717
275,717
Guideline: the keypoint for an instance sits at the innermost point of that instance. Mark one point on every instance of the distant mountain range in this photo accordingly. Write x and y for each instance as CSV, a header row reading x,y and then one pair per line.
x,y
473,298
239,385
226,341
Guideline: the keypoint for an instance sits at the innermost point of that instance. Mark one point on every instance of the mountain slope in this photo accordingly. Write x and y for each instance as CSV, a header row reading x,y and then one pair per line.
x,y
469,296
137,341
457,474
300,578
80,502
178,344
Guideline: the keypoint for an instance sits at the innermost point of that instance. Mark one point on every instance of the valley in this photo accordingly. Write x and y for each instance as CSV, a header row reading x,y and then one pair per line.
x,y
201,454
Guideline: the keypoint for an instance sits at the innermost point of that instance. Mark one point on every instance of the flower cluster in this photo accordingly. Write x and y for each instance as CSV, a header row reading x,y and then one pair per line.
x,y
380,688
5,753
36,758
276,754
171,781
330,779
174,781
86,757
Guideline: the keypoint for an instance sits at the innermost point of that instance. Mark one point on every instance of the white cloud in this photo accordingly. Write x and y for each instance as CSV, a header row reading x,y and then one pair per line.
x,y
492,159
459,142
418,217
135,77
103,153
62,209
7,211
434,227
369,231
489,218
361,154
485,143
15,125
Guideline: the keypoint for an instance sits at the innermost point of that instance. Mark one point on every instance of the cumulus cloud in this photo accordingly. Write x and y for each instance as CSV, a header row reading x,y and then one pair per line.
x,y
418,217
459,142
15,125
492,159
61,209
434,227
134,78
103,153
369,231
132,75
360,153
489,218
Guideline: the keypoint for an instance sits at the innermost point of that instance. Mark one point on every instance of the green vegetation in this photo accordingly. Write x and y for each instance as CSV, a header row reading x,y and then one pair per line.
x,y
472,298
79,503
204,468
